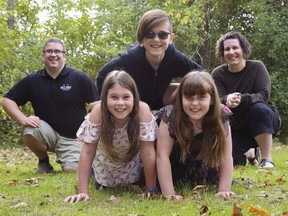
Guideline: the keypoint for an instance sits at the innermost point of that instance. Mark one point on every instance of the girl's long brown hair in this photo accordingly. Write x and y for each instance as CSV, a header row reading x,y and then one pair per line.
x,y
214,133
108,128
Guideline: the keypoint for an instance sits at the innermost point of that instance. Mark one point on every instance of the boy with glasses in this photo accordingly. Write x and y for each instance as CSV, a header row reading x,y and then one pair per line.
x,y
58,95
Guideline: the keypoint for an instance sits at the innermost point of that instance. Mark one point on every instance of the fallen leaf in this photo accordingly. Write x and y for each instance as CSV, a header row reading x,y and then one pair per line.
x,y
267,183
32,180
262,171
204,210
13,182
196,195
258,211
249,186
135,215
236,211
248,181
2,196
268,172
136,189
114,200
176,202
198,187
280,180
19,205
263,194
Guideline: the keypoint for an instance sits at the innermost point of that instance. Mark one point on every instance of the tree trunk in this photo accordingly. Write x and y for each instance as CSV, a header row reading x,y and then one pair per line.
x,y
10,21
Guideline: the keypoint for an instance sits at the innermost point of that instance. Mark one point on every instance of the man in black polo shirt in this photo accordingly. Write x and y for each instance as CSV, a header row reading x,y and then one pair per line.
x,y
58,95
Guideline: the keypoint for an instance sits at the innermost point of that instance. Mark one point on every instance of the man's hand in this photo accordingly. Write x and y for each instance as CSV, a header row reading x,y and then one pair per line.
x,y
32,121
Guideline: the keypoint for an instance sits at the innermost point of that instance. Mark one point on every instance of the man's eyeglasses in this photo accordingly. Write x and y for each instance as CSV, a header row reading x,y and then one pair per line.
x,y
50,52
162,35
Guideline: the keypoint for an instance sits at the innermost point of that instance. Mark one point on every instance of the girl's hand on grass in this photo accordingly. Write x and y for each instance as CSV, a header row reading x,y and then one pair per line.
x,y
77,198
225,194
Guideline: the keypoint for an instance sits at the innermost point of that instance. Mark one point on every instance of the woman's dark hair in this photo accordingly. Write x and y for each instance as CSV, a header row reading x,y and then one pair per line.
x,y
244,43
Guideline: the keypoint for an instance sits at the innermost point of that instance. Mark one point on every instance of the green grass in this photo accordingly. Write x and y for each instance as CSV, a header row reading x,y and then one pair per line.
x,y
266,190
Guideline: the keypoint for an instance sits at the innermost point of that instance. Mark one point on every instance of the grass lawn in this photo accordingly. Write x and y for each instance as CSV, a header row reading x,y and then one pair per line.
x,y
23,192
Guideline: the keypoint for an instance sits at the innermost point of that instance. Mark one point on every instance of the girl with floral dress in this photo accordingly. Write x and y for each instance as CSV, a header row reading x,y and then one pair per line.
x,y
118,137
194,140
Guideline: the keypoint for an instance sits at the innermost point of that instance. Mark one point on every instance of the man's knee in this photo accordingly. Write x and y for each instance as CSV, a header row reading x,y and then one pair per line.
x,y
27,138
69,168
32,142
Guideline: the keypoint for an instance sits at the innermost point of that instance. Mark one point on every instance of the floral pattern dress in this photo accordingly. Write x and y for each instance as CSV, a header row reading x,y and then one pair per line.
x,y
107,172
193,171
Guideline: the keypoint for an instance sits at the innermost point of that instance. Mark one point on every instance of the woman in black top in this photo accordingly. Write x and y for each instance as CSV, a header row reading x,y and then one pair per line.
x,y
245,87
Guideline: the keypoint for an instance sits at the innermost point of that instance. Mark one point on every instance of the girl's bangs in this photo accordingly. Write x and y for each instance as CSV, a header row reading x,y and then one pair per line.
x,y
196,86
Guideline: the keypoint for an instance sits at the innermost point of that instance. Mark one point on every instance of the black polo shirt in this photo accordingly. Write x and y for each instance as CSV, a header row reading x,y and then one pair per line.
x,y
61,102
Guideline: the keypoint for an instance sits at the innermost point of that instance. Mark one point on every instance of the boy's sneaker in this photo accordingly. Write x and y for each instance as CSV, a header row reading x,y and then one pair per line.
x,y
44,168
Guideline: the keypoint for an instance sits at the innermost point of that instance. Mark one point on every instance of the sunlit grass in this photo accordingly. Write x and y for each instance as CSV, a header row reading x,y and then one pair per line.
x,y
23,192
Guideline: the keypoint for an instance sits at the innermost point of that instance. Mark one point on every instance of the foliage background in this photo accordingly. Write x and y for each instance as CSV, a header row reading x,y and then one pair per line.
x,y
94,32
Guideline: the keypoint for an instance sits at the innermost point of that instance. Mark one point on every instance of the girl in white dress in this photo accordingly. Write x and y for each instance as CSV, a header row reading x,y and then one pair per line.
x,y
118,138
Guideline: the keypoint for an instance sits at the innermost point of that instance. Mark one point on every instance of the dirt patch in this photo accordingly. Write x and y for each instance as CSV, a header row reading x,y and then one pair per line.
x,y
18,156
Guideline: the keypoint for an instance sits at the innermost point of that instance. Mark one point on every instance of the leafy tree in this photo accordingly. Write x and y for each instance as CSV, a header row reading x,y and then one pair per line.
x,y
269,39
17,56
94,32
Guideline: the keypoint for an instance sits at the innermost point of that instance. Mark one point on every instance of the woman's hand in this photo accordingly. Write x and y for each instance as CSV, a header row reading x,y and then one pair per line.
x,y
225,194
233,100
77,198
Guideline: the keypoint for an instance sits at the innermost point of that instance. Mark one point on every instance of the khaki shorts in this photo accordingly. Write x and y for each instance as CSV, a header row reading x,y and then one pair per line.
x,y
67,150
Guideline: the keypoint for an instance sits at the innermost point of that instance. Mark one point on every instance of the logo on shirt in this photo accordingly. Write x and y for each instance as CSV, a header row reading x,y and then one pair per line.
x,y
65,87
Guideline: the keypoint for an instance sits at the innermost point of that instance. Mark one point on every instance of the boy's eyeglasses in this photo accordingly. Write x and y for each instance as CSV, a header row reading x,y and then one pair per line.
x,y
162,35
50,52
